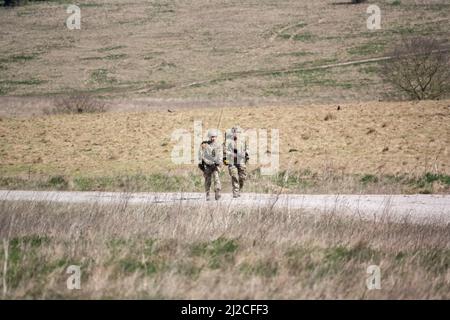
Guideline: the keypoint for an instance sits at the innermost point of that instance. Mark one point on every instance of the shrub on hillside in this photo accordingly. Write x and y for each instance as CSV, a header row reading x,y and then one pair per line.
x,y
77,104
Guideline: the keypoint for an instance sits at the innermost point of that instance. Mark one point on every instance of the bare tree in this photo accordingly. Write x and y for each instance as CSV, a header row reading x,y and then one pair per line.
x,y
419,68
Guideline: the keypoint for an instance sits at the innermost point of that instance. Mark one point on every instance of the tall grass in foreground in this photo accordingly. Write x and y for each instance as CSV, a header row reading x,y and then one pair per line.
x,y
209,252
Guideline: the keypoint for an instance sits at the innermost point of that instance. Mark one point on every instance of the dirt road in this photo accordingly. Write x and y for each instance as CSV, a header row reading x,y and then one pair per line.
x,y
420,208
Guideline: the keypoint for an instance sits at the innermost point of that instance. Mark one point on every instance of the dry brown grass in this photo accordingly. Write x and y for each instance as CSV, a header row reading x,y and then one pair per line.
x,y
175,252
367,138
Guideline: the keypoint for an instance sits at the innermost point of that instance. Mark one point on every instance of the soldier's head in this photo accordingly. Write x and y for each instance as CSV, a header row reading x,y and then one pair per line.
x,y
212,135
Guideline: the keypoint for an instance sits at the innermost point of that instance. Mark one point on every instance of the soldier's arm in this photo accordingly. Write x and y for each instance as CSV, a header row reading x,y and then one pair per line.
x,y
200,154
206,156
200,158
208,159
242,146
229,151
219,153
203,155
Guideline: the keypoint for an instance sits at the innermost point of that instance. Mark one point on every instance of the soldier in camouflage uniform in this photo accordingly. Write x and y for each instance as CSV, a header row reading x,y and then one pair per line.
x,y
209,162
236,157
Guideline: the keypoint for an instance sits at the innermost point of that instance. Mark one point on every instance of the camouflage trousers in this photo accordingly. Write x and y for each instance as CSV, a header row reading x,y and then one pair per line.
x,y
238,174
211,173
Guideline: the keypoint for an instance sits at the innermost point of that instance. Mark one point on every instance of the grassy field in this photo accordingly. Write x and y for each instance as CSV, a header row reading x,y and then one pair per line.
x,y
362,147
150,252
160,48
145,58
159,66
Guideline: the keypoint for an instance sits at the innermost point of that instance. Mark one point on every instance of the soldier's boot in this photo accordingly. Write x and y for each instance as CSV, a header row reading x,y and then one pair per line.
x,y
241,185
217,194
207,196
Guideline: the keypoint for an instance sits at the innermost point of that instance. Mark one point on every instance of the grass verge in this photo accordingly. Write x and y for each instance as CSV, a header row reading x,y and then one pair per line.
x,y
154,251
286,182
